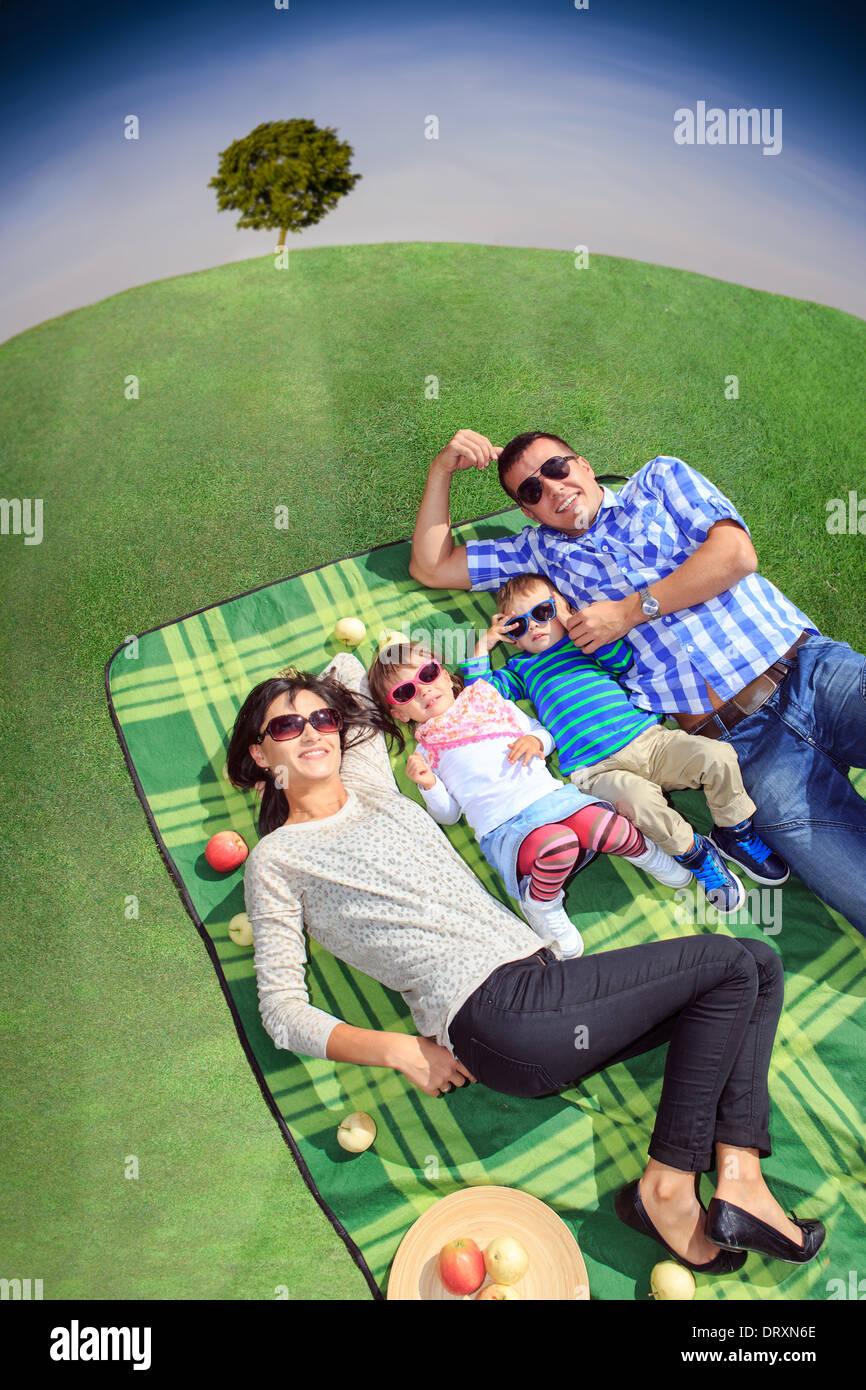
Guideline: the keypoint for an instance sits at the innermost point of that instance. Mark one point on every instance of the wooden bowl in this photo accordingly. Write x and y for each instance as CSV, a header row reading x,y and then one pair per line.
x,y
556,1268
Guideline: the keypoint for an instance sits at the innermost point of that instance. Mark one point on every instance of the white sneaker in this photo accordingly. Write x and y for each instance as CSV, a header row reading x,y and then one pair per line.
x,y
550,922
661,866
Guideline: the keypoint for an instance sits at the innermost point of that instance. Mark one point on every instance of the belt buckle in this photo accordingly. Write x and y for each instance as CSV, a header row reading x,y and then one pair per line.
x,y
755,694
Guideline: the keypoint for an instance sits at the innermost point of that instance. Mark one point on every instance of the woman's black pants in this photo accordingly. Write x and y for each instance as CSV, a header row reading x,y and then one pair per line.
x,y
539,1025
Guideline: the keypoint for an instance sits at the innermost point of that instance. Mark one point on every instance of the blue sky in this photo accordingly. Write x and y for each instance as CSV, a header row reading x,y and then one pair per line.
x,y
555,129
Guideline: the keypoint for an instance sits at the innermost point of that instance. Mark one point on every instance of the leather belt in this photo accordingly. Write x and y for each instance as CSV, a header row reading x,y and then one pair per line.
x,y
751,697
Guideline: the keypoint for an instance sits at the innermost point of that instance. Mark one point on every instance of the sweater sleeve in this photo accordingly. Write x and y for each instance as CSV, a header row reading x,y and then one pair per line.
x,y
366,764
276,916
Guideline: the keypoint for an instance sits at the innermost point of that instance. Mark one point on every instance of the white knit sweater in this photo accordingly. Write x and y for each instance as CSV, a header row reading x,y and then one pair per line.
x,y
381,888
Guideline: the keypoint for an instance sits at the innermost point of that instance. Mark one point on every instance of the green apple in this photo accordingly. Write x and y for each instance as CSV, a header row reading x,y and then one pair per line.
x,y
388,638
356,1132
350,631
670,1281
240,930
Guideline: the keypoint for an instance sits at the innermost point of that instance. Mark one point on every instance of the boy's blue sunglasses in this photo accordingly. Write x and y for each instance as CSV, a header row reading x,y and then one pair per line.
x,y
541,613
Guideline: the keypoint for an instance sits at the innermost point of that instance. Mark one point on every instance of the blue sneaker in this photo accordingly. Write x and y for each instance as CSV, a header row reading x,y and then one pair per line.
x,y
742,846
724,890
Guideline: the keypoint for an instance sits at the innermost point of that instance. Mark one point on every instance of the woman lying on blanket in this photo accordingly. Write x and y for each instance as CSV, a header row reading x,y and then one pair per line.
x,y
367,873
475,758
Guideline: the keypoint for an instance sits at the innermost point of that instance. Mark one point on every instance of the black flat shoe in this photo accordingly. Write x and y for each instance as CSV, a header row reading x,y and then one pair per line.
x,y
631,1210
731,1228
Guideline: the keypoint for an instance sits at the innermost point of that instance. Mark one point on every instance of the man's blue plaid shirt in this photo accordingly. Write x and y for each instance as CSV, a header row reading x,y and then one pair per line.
x,y
640,535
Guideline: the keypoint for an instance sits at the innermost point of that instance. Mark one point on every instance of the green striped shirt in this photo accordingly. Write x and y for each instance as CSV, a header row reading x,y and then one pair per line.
x,y
575,696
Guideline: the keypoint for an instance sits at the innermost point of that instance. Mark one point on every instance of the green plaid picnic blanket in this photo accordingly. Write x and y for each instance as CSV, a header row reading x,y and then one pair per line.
x,y
174,694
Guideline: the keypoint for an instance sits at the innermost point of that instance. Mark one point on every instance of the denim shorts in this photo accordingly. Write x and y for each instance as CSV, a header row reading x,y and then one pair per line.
x,y
501,845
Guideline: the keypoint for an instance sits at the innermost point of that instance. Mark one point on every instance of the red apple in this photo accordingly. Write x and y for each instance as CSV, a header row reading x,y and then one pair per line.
x,y
225,851
461,1266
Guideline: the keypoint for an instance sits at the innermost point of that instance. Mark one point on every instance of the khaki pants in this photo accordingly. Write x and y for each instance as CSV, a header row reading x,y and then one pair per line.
x,y
660,760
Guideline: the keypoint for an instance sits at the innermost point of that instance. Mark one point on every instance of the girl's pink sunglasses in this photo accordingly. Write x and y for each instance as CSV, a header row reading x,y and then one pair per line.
x,y
407,690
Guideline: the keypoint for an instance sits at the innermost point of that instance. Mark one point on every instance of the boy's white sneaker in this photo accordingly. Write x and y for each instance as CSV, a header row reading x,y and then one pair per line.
x,y
661,866
550,920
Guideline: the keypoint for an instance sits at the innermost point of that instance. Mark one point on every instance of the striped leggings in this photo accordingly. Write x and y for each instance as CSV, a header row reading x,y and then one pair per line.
x,y
550,853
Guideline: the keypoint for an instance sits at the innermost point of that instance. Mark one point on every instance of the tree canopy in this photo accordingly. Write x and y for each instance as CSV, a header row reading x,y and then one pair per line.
x,y
284,174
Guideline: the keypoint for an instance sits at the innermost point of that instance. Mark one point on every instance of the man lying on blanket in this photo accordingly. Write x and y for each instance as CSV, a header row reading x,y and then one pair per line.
x,y
669,562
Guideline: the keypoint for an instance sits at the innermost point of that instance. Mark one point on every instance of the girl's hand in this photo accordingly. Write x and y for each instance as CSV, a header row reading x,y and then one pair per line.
x,y
420,772
525,748
428,1066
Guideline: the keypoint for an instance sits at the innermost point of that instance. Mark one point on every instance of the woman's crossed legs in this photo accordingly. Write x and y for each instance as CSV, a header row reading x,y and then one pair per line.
x,y
539,1025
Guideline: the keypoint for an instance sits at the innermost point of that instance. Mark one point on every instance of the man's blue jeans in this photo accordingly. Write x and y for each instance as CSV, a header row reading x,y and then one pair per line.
x,y
794,753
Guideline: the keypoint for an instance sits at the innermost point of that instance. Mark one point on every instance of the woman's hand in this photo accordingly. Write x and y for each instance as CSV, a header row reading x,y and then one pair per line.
x,y
428,1065
420,772
525,748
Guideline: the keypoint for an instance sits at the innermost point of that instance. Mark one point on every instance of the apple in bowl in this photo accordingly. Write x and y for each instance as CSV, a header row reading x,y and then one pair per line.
x,y
461,1266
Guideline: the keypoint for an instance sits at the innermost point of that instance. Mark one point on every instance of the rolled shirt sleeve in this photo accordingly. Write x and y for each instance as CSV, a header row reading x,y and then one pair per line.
x,y
492,562
691,500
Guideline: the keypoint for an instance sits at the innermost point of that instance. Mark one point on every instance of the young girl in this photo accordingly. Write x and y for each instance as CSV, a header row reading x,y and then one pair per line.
x,y
480,756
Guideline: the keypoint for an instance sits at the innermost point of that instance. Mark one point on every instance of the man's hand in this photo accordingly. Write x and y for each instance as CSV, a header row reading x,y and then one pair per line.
x,y
495,633
466,450
428,1066
525,748
420,772
603,622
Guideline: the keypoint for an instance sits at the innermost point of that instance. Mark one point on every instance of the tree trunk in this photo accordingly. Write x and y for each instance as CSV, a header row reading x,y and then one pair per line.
x,y
281,242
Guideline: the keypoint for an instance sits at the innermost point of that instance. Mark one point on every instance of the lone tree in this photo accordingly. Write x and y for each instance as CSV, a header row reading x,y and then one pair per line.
x,y
284,174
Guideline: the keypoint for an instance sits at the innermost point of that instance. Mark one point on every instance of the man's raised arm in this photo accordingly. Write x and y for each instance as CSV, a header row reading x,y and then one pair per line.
x,y
436,561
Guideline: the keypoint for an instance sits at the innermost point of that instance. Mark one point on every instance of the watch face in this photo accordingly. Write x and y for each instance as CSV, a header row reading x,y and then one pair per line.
x,y
650,606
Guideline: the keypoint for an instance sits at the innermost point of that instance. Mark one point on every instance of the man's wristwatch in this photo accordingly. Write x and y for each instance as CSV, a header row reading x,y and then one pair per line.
x,y
649,605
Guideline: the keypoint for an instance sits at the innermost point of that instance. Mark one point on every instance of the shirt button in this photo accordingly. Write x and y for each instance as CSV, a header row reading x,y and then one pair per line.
x,y
689,649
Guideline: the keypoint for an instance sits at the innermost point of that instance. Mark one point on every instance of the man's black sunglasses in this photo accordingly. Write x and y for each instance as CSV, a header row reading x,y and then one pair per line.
x,y
530,490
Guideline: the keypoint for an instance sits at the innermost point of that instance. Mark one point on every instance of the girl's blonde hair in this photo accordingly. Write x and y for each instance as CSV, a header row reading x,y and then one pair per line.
x,y
382,674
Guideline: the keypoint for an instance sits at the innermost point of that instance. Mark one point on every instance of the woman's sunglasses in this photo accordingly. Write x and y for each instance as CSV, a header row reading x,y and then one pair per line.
x,y
530,490
286,726
402,694
541,613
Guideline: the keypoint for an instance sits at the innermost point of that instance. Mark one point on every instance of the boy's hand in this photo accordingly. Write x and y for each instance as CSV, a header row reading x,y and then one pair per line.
x,y
525,748
495,633
420,772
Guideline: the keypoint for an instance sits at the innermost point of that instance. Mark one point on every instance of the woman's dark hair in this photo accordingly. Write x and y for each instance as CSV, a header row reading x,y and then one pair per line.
x,y
361,720
516,448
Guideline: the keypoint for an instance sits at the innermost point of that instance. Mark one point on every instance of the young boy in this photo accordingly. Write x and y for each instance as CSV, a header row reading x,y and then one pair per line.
x,y
612,749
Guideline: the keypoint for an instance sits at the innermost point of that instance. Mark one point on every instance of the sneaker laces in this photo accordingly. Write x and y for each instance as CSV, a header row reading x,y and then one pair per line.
x,y
755,846
711,873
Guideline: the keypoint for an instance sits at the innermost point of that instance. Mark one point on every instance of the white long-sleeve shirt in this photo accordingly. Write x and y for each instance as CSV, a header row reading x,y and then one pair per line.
x,y
476,780
380,887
